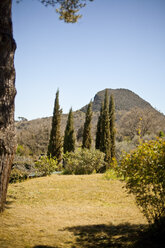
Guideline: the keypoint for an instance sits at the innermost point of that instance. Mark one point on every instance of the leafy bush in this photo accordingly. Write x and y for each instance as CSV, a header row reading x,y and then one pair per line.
x,y
144,170
110,174
161,134
83,161
17,176
46,165
22,151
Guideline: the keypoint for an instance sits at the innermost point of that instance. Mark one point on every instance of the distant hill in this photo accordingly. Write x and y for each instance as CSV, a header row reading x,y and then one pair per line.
x,y
124,100
34,135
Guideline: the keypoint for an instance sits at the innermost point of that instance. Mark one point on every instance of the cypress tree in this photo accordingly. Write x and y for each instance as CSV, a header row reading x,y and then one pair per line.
x,y
69,137
105,145
99,129
112,125
87,138
55,141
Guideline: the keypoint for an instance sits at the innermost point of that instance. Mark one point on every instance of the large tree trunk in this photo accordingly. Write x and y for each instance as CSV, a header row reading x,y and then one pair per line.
x,y
7,96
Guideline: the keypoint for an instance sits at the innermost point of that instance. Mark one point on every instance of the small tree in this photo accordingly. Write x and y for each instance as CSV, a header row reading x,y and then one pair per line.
x,y
69,137
55,141
112,125
87,139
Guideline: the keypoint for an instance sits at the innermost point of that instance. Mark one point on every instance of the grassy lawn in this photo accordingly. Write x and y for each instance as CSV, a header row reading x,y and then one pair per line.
x,y
70,212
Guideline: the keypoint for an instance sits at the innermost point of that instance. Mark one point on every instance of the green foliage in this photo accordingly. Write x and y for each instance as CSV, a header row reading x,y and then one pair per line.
x,y
67,9
112,125
87,138
144,170
69,137
17,176
105,144
83,161
46,165
161,134
55,141
99,129
110,174
105,133
20,150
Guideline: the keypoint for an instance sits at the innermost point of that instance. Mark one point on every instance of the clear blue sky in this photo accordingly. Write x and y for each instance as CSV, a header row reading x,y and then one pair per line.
x,y
116,44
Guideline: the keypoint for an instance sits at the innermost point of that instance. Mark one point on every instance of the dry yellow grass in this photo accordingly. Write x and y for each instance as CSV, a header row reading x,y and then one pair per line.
x,y
69,212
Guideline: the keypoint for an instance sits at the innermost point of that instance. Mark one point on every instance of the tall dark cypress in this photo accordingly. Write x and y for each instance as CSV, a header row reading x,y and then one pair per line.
x,y
112,125
55,141
99,128
105,145
87,138
69,137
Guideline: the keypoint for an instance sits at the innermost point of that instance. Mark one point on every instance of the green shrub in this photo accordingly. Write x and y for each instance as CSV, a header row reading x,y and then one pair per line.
x,y
46,165
83,161
161,134
144,170
22,151
110,174
17,176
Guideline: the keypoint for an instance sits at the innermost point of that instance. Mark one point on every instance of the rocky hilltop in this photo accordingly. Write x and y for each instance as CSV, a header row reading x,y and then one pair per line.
x,y
125,100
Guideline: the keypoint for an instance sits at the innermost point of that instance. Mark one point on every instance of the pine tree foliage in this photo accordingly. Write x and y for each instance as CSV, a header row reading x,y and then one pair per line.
x,y
87,138
68,9
105,145
69,137
99,128
112,125
55,141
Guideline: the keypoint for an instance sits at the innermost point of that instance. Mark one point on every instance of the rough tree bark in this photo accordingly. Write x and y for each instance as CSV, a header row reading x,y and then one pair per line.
x,y
7,96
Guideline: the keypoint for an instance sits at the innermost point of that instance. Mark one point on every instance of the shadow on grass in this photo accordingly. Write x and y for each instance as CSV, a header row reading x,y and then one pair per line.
x,y
114,236
44,246
154,236
106,236
8,204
